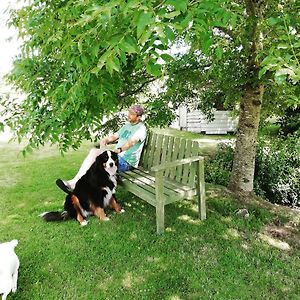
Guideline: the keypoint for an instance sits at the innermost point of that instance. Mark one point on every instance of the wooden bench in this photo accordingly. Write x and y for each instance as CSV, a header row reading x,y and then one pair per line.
x,y
170,170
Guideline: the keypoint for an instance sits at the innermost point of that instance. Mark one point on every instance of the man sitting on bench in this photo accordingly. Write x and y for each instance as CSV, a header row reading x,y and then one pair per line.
x,y
130,141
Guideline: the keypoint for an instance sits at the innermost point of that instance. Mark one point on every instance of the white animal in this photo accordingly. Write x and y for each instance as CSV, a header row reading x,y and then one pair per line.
x,y
9,266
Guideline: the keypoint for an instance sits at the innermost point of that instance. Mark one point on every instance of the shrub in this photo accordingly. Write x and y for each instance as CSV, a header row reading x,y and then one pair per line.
x,y
290,122
277,170
218,166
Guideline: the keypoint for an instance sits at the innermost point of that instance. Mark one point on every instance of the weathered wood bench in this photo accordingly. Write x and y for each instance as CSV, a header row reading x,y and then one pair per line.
x,y
170,170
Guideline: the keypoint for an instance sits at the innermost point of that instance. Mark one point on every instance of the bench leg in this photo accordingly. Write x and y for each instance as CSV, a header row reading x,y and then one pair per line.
x,y
160,218
201,190
160,202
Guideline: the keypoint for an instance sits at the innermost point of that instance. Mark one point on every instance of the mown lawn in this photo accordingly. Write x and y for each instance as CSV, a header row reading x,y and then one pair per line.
x,y
220,258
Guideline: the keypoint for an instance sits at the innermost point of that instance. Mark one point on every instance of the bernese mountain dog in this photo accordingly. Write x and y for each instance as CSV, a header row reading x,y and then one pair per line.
x,y
93,192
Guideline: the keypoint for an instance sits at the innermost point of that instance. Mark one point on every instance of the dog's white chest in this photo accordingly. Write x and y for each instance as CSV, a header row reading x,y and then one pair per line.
x,y
109,191
107,197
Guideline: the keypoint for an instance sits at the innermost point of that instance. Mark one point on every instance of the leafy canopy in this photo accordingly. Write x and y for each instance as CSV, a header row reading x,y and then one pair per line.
x,y
84,60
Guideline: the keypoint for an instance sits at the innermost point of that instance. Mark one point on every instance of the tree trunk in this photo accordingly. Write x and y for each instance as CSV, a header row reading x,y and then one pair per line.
x,y
242,176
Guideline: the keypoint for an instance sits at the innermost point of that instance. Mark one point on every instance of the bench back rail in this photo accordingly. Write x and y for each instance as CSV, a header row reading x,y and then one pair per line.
x,y
161,148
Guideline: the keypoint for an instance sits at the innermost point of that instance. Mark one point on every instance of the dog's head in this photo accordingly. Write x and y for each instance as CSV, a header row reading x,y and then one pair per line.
x,y
108,160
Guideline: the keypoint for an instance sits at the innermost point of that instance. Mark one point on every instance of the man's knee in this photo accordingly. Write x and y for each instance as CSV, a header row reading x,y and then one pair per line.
x,y
94,152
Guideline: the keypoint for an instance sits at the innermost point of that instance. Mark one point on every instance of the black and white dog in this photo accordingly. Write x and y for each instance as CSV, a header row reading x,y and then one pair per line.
x,y
9,266
93,192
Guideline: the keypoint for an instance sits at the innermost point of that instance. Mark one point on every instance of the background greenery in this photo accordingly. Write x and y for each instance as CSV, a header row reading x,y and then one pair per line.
x,y
277,166
223,257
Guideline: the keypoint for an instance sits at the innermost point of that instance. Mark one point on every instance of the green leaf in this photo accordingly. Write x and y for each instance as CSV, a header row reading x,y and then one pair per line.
x,y
145,36
172,15
169,34
128,45
144,19
123,58
153,69
262,72
112,64
207,42
80,46
234,20
84,59
166,57
219,52
187,19
95,50
103,59
273,21
180,5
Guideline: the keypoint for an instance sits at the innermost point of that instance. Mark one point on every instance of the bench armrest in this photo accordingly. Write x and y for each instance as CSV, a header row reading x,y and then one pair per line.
x,y
176,163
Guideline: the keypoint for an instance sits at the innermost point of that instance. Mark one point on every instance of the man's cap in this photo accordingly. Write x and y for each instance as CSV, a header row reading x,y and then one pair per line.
x,y
138,109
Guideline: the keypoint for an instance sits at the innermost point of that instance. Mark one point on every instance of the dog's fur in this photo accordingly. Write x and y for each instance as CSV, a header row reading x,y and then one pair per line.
x,y
93,192
9,266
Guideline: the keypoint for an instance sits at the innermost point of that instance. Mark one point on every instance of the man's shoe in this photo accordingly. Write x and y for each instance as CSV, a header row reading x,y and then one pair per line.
x,y
60,183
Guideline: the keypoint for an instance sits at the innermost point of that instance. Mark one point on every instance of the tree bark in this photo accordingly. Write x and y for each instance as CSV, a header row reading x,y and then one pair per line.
x,y
244,158
242,176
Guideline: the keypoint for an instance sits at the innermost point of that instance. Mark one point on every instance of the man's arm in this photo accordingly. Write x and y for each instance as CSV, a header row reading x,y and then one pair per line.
x,y
127,145
109,139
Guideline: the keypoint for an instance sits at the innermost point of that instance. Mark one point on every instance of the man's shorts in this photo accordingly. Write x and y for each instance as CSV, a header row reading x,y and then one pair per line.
x,y
123,165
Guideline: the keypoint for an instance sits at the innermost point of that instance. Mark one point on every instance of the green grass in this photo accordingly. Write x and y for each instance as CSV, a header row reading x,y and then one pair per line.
x,y
220,258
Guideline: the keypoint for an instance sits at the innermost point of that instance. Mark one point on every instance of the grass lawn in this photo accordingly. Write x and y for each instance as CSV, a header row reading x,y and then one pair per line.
x,y
224,257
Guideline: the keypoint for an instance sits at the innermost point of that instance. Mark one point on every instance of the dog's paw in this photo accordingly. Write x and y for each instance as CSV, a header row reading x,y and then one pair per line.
x,y
84,223
105,219
14,289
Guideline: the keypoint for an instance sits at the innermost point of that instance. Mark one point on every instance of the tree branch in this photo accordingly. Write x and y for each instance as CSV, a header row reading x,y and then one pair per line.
x,y
137,90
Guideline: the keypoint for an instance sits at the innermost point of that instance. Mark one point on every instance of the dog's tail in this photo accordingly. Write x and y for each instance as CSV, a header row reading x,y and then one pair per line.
x,y
53,216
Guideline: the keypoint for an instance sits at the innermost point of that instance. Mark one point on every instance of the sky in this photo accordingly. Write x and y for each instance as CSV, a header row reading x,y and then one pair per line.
x,y
9,48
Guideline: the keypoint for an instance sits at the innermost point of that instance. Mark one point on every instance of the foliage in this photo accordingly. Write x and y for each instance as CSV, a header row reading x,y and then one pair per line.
x,y
290,122
277,175
277,169
84,61
218,166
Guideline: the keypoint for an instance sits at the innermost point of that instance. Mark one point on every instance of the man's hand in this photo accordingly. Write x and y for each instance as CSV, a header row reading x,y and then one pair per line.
x,y
103,142
108,140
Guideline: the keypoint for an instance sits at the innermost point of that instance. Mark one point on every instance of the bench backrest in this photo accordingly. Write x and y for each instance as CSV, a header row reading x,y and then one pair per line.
x,y
161,148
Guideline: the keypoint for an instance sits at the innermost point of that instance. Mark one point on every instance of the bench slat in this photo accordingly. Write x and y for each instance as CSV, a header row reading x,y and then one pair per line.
x,y
169,183
151,150
165,148
146,150
170,150
179,169
157,152
140,192
186,168
192,174
174,156
172,192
